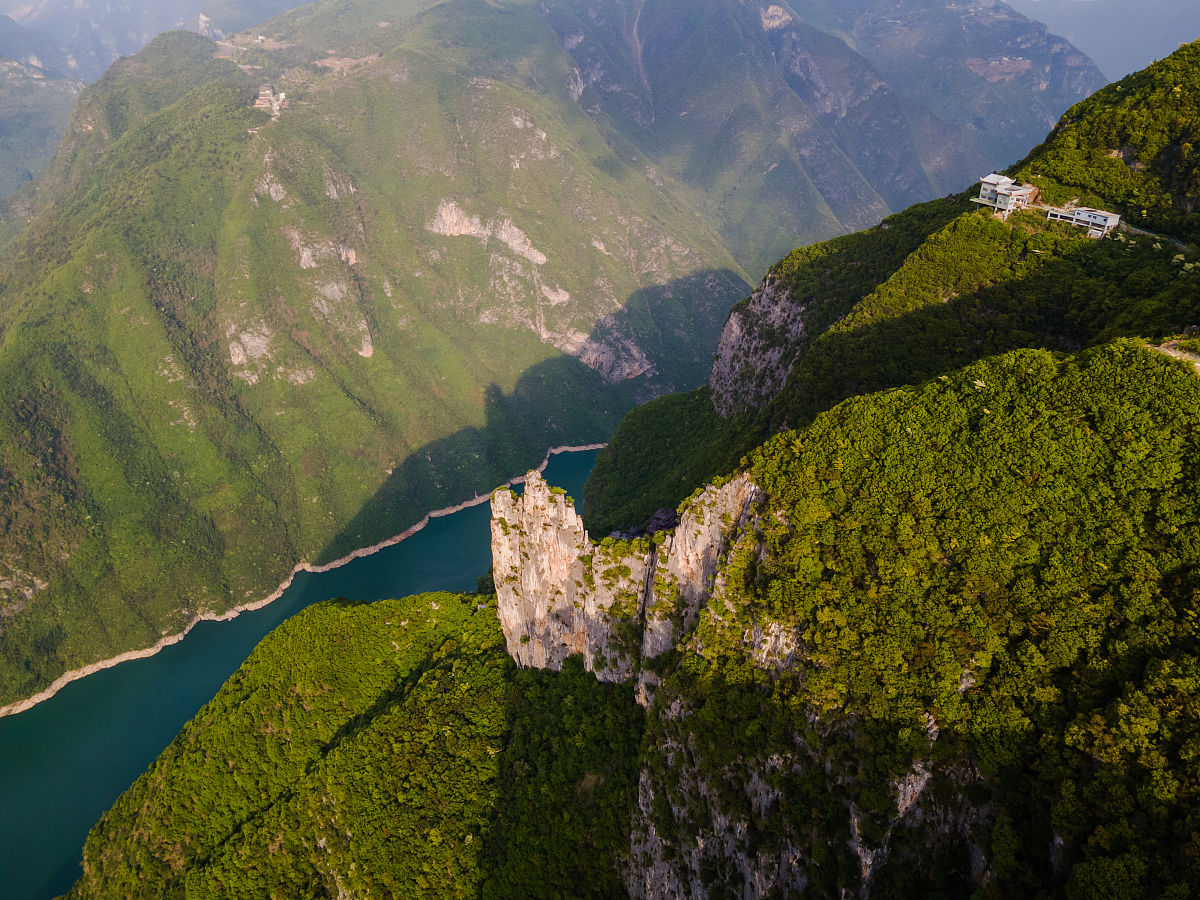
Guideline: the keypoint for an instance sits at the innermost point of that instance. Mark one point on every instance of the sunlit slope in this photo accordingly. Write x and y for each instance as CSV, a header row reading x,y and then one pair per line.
x,y
1132,147
959,617
448,768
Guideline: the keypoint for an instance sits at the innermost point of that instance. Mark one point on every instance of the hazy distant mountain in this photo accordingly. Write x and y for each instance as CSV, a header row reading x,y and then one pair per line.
x,y
58,44
39,81
98,31
35,49
1120,36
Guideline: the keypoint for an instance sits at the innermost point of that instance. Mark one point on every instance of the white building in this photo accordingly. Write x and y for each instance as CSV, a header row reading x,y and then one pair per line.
x,y
1002,193
1098,222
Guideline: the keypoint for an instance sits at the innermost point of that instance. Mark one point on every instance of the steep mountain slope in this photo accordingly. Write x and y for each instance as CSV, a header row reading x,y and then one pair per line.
x,y
236,339
939,641
419,738
1132,146
825,115
38,85
950,648
824,120
938,286
45,61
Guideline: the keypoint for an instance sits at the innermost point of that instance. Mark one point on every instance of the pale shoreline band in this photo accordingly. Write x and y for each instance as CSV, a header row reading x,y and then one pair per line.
x,y
75,674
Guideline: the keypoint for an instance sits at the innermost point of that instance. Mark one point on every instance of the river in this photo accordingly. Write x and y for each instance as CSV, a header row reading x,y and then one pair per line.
x,y
64,762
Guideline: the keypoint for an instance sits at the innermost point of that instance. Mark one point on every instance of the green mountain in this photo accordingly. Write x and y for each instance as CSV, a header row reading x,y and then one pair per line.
x,y
418,742
233,339
45,61
940,660
936,637
232,342
95,34
938,286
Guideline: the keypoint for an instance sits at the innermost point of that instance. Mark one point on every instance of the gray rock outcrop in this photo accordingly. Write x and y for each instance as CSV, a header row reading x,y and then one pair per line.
x,y
615,602
759,346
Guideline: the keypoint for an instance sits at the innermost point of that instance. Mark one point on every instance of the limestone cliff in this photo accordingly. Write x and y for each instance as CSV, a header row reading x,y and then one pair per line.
x,y
621,603
616,602
759,345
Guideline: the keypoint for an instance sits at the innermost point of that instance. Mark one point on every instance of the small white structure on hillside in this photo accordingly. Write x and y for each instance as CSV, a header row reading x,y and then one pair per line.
x,y
1002,193
1098,222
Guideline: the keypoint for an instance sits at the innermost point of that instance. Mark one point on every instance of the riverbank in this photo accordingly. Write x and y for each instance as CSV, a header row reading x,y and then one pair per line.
x,y
66,678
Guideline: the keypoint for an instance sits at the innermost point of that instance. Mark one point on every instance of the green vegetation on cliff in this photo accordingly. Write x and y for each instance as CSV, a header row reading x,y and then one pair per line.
x,y
232,341
991,579
955,652
987,583
229,343
666,449
1133,146
382,751
943,284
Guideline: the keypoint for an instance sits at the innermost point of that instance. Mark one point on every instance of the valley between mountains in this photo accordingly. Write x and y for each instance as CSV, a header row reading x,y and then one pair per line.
x,y
925,624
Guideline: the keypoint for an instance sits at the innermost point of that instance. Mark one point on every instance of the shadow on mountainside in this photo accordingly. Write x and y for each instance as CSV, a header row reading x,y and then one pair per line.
x,y
559,402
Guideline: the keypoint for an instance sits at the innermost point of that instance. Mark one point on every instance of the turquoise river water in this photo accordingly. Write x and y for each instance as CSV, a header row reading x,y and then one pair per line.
x,y
64,762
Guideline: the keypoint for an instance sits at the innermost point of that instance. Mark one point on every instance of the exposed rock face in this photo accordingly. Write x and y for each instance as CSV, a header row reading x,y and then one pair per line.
x,y
615,602
759,346
452,220
694,814
620,603
558,593
688,575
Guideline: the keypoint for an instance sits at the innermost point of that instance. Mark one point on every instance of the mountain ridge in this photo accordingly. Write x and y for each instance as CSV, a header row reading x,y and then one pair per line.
x,y
930,272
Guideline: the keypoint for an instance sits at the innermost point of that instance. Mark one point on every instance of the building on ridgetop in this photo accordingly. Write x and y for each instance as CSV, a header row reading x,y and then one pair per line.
x,y
1098,222
1002,193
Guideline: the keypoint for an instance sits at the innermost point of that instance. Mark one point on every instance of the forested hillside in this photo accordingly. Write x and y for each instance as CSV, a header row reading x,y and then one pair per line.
x,y
938,286
949,650
955,651
383,751
232,342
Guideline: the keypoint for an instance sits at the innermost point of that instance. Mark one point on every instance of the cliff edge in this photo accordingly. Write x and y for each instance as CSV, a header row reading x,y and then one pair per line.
x,y
617,602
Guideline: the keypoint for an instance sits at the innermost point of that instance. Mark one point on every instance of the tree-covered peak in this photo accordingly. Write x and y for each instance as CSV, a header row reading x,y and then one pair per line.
x,y
1132,145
